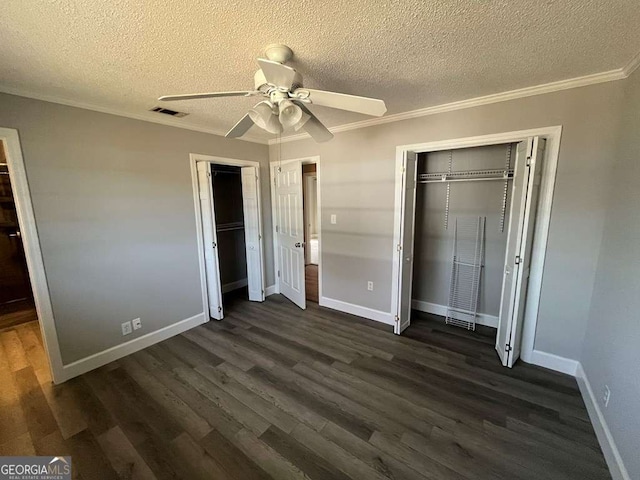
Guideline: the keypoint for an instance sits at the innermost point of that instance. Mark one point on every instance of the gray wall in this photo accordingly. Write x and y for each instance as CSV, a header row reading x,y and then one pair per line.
x,y
357,183
467,200
114,208
611,352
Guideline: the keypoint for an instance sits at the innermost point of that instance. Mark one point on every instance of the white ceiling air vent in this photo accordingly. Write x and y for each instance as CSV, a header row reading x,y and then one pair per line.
x,y
167,111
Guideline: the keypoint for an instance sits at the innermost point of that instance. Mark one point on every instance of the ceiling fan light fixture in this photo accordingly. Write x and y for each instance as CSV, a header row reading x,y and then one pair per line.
x,y
285,100
290,113
262,115
302,121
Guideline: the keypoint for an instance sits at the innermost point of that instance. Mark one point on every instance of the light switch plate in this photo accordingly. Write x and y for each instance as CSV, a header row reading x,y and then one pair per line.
x,y
334,219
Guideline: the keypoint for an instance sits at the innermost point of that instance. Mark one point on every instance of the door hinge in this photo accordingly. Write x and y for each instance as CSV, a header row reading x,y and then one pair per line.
x,y
518,260
507,348
528,161
397,318
259,237
276,228
213,244
399,247
278,273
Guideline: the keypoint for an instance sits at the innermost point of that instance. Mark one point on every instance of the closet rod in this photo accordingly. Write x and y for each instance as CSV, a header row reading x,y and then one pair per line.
x,y
510,177
467,176
226,227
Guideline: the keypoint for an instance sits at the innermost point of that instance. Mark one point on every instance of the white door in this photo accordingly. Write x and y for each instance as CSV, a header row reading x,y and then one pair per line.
x,y
524,202
252,233
404,250
290,231
212,268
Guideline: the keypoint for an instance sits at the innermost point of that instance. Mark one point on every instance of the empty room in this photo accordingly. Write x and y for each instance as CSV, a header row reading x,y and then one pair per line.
x,y
320,240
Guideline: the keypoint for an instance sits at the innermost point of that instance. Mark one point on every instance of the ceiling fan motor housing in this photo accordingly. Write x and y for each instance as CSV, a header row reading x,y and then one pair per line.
x,y
260,81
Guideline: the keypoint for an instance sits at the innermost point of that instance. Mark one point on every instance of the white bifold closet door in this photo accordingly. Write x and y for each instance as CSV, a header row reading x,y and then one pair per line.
x,y
252,235
290,231
212,268
404,249
524,201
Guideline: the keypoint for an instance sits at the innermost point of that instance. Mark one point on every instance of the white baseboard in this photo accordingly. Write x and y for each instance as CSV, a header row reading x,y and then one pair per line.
x,y
365,312
611,454
228,287
553,362
134,345
436,309
271,290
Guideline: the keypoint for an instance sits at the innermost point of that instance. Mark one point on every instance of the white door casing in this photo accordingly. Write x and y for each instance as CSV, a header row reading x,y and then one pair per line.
x,y
252,234
212,269
524,201
404,249
289,226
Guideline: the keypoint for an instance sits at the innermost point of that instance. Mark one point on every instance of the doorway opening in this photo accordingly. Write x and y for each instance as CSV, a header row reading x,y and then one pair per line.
x,y
25,313
295,201
16,297
228,214
472,219
310,218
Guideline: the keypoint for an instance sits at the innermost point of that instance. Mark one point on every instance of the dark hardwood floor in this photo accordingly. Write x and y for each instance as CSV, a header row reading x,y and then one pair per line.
x,y
275,392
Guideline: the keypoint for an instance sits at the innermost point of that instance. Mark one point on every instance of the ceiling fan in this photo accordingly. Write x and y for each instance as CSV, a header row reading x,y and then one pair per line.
x,y
285,100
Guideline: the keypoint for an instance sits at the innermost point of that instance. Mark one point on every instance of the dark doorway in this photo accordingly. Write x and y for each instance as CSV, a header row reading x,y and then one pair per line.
x,y
16,297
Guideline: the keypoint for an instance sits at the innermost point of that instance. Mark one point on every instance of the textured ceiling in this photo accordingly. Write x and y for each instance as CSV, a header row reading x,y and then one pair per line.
x,y
123,54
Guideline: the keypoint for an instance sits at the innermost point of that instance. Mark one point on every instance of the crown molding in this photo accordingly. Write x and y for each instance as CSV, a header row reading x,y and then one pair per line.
x,y
631,67
602,77
145,117
609,76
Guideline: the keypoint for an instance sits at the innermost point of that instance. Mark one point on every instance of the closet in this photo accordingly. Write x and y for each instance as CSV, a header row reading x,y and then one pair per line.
x,y
227,202
230,231
464,236
461,226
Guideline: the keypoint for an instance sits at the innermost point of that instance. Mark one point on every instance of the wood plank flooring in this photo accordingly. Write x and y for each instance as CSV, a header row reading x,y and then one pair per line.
x,y
311,282
275,392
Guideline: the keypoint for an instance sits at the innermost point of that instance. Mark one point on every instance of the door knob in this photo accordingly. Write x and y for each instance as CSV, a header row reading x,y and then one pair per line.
x,y
298,244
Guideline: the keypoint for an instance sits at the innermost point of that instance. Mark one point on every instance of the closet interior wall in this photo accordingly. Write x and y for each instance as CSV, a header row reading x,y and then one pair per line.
x,y
227,203
434,235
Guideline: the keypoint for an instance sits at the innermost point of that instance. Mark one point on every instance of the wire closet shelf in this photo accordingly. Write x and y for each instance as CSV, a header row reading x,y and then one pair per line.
x,y
466,271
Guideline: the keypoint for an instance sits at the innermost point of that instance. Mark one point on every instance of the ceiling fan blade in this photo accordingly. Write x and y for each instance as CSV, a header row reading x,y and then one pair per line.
x,y
277,74
352,103
314,127
193,96
241,127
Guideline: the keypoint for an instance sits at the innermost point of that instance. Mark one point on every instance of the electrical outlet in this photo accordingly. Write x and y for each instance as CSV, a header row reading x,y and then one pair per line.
x,y
370,286
137,323
334,219
126,328
606,396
